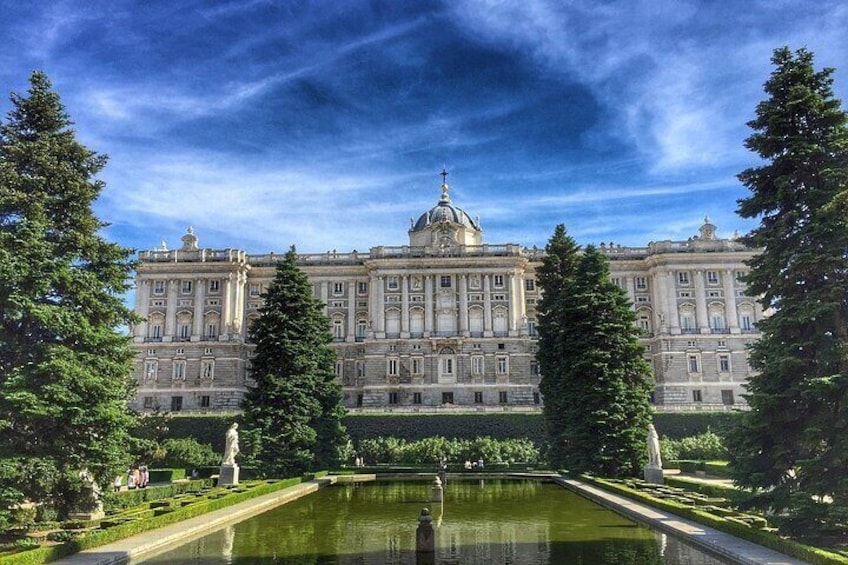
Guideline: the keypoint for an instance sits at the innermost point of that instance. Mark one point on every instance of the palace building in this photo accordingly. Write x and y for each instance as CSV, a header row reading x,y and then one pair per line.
x,y
444,321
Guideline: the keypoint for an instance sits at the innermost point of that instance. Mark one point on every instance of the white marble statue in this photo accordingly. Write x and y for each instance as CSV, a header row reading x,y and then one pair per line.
x,y
231,448
654,459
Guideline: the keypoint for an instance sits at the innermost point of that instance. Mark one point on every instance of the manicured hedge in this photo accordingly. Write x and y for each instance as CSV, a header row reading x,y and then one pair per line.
x,y
120,531
412,427
768,539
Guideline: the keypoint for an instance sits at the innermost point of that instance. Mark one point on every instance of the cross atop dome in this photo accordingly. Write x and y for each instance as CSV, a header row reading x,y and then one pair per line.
x,y
445,197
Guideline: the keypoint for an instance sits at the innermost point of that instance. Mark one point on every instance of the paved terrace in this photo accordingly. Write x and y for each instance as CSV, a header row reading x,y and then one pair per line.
x,y
148,543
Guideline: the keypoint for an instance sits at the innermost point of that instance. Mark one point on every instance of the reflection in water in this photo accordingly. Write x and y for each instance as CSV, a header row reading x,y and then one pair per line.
x,y
510,522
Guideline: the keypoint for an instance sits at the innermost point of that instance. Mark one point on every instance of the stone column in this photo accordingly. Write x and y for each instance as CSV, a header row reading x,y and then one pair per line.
x,y
227,307
171,311
428,305
463,305
351,311
238,315
630,285
142,306
730,303
325,297
199,299
404,311
381,307
672,311
487,306
701,304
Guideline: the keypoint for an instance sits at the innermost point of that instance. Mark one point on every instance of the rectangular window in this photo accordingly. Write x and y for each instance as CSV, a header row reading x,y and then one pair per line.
x,y
338,288
740,278
212,330
214,286
393,398
684,294
150,370
158,287
204,401
683,278
445,281
447,398
498,281
696,396
478,397
417,363
537,399
361,328
148,402
503,365
727,397
641,283
176,403
447,366
392,367
338,369
207,369
499,297
529,285
477,365
362,288
502,397
747,324
185,287
724,363
694,365
616,281
179,370
534,367
712,277
392,283
255,290
416,398
360,368
184,332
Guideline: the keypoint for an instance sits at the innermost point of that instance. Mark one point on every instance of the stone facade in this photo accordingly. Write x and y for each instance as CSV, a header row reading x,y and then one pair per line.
x,y
446,321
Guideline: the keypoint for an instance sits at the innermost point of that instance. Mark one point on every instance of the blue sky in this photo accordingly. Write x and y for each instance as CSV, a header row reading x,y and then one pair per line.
x,y
325,124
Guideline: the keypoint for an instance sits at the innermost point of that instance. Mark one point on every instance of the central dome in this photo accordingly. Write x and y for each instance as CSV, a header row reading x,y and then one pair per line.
x,y
445,218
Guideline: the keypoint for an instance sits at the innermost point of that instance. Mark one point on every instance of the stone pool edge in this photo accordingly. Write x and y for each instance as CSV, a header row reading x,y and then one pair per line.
x,y
703,537
150,543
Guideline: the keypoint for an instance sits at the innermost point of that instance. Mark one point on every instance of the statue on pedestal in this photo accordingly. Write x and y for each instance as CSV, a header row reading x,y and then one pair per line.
x,y
231,447
654,472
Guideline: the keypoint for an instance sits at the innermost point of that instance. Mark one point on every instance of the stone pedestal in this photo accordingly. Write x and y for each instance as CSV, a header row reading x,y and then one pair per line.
x,y
425,539
228,475
438,493
654,474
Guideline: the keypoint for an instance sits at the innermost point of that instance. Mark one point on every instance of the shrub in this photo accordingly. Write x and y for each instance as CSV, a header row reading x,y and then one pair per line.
x,y
187,452
701,447
428,451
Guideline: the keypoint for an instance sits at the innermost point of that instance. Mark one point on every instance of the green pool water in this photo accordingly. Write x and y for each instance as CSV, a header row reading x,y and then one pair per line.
x,y
481,522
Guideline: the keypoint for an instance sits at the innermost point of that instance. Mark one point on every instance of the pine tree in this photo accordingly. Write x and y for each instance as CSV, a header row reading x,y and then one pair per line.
x,y
554,275
64,365
595,380
295,404
792,447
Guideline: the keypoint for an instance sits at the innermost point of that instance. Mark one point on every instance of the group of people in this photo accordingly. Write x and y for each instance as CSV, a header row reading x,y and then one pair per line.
x,y
475,465
137,477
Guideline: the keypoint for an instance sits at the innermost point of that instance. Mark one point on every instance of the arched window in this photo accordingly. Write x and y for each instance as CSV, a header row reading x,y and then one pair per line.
x,y
447,365
393,322
338,327
500,323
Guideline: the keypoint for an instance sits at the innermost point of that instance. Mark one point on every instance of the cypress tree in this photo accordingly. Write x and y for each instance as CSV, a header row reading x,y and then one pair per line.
x,y
64,364
554,275
791,448
295,404
607,377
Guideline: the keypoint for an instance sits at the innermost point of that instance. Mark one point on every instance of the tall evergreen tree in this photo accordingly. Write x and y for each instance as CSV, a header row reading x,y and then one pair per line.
x,y
295,404
554,275
792,447
595,379
64,365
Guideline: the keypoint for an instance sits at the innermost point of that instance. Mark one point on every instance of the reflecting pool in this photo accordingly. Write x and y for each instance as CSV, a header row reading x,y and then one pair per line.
x,y
481,522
